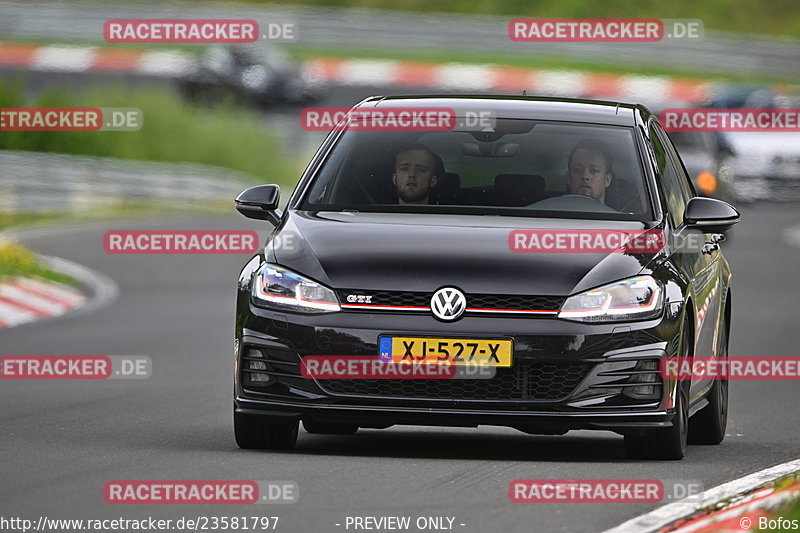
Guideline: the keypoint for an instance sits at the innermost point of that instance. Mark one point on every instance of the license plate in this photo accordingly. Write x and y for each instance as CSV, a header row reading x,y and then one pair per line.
x,y
481,352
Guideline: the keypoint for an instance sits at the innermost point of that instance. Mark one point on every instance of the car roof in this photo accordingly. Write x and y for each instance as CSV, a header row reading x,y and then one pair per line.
x,y
526,107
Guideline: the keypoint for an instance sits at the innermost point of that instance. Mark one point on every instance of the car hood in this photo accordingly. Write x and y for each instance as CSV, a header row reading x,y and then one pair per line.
x,y
403,252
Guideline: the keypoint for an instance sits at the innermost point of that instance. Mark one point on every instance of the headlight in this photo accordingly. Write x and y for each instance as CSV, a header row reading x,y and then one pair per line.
x,y
280,288
636,298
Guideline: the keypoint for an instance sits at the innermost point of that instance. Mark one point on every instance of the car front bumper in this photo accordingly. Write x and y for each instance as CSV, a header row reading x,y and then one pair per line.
x,y
603,397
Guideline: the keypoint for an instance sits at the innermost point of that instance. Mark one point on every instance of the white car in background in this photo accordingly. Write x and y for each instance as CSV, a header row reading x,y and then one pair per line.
x,y
765,165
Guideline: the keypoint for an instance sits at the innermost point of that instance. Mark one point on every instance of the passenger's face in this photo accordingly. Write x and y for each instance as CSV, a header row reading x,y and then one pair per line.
x,y
588,174
414,175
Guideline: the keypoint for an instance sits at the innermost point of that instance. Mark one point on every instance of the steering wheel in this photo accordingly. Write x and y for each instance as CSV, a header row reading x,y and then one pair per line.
x,y
582,197
573,202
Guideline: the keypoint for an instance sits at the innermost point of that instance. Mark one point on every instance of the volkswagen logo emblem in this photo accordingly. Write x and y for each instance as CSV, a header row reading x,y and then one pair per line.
x,y
448,303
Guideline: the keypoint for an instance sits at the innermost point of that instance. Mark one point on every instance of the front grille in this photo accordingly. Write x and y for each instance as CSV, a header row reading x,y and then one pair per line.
x,y
489,301
543,381
482,301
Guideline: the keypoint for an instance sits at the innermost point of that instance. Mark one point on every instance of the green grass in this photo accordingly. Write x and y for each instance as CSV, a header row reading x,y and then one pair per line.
x,y
173,131
16,260
789,513
8,220
778,17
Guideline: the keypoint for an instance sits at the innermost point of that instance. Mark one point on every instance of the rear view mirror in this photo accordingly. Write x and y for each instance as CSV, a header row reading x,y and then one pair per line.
x,y
260,202
709,215
490,149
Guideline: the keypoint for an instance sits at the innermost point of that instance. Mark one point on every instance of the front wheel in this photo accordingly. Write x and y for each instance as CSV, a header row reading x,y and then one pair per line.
x,y
708,426
667,443
255,432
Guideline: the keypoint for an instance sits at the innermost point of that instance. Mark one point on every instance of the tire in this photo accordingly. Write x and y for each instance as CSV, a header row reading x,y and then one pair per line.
x,y
329,428
262,433
667,443
709,424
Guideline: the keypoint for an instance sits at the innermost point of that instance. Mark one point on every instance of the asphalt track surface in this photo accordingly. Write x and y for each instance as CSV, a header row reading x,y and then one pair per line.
x,y
60,441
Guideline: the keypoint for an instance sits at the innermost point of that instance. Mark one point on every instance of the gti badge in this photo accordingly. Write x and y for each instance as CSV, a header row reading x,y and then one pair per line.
x,y
359,299
448,303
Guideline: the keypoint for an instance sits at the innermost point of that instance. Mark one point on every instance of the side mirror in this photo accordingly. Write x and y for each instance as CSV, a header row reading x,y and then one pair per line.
x,y
709,215
260,202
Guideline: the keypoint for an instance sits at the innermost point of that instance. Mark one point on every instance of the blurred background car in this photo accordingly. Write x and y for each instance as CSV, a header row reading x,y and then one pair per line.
x,y
763,165
256,73
707,158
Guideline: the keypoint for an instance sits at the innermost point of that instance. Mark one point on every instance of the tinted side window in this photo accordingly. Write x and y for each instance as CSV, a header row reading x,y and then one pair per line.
x,y
668,178
686,183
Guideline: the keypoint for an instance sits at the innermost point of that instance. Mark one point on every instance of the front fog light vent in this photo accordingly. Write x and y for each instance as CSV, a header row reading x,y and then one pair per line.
x,y
258,377
257,369
254,352
258,365
651,367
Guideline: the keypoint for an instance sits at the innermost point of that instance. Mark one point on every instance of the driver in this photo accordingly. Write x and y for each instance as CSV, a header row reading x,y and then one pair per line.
x,y
590,169
415,174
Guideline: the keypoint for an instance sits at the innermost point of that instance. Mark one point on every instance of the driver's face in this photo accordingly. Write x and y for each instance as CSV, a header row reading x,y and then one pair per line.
x,y
588,174
414,176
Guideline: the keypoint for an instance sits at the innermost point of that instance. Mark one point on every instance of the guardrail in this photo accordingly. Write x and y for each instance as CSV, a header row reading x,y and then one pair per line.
x,y
33,182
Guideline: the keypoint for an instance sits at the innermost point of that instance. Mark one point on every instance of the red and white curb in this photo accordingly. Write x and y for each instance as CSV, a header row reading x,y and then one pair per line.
x,y
488,78
375,72
62,58
24,300
722,508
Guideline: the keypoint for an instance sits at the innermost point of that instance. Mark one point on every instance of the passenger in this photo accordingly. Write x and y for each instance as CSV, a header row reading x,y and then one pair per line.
x,y
415,174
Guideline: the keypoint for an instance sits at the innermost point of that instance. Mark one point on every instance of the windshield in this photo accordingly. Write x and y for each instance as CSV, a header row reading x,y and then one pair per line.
x,y
520,168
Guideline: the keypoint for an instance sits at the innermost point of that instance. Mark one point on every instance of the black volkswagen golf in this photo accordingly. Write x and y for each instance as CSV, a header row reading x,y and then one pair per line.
x,y
508,247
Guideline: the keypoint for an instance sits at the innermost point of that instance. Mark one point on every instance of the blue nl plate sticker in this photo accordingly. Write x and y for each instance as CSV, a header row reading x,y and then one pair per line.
x,y
385,348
